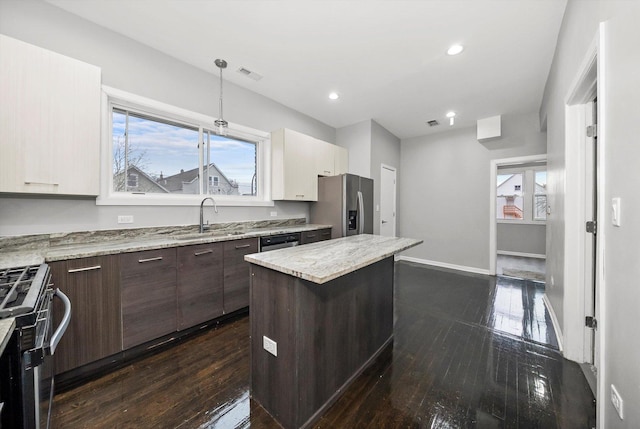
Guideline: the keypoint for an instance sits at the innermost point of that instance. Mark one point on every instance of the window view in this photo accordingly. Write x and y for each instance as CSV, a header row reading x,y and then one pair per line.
x,y
521,194
540,196
230,165
510,196
152,155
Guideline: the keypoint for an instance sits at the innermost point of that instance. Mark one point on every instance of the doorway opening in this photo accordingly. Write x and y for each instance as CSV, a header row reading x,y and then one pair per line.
x,y
387,200
517,236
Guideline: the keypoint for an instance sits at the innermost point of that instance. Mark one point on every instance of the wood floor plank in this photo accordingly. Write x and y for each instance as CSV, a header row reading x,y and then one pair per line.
x,y
469,351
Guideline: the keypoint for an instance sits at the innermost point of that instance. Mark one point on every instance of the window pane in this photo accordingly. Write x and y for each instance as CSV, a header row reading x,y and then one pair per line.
x,y
540,198
510,202
231,166
163,155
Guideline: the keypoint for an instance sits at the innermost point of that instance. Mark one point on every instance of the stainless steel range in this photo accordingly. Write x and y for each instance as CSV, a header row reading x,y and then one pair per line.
x,y
26,366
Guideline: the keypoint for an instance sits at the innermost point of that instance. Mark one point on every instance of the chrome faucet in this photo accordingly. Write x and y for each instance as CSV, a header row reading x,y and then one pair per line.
x,y
204,227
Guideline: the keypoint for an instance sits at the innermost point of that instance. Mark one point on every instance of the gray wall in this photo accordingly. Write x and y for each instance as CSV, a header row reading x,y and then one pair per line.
x,y
370,145
522,238
444,190
130,66
385,149
619,131
357,139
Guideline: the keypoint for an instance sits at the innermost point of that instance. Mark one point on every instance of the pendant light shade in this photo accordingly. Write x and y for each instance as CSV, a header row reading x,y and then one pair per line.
x,y
221,124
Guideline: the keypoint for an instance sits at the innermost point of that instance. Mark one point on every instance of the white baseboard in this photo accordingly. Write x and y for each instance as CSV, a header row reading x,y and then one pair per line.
x,y
554,320
443,265
522,254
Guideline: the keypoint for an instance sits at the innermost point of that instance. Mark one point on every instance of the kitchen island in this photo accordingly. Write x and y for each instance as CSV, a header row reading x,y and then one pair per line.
x,y
320,314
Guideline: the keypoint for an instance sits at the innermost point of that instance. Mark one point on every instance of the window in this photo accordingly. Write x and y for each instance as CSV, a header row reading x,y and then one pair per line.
x,y
521,193
161,154
540,196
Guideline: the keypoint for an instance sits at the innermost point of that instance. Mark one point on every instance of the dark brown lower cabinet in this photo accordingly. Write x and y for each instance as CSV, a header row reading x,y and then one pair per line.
x,y
92,285
199,284
236,273
148,282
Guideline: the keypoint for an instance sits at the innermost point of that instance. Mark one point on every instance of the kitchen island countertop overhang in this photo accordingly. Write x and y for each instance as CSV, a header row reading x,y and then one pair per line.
x,y
325,261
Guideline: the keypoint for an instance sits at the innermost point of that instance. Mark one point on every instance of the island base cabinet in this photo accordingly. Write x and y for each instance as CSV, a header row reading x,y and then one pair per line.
x,y
148,283
326,334
94,331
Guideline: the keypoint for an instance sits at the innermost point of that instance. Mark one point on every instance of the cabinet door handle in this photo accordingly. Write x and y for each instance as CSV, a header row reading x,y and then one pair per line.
x,y
79,270
326,171
326,233
244,246
158,258
31,182
204,252
311,235
300,195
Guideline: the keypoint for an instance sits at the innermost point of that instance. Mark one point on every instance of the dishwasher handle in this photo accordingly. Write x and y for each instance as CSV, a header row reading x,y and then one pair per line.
x,y
60,330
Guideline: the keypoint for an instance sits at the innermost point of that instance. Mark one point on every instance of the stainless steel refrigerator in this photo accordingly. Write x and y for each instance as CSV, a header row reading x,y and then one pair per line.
x,y
346,203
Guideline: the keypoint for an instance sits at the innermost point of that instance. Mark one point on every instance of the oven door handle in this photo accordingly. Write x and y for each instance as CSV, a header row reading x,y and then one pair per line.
x,y
60,330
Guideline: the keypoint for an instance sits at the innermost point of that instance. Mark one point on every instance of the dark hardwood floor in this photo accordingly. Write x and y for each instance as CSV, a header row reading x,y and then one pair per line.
x,y
469,351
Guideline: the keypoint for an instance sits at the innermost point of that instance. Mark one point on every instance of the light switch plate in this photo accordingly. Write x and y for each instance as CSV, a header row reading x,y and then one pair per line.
x,y
615,211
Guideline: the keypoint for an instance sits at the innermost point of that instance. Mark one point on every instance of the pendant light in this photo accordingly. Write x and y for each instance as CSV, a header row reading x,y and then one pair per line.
x,y
220,122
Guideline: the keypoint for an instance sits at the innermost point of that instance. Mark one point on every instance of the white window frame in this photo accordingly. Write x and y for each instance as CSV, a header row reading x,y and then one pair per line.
x,y
112,97
528,195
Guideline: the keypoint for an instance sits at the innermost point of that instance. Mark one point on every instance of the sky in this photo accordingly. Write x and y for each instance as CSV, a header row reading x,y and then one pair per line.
x,y
168,148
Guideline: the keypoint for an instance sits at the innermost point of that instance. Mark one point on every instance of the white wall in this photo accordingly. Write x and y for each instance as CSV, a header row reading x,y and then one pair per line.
x,y
133,67
445,191
521,238
619,135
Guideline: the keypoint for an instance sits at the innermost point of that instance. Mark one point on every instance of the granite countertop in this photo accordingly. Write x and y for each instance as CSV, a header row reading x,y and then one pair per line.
x,y
33,250
326,260
6,328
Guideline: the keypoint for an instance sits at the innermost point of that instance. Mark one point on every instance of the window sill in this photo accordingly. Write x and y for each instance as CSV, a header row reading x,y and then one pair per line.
x,y
522,222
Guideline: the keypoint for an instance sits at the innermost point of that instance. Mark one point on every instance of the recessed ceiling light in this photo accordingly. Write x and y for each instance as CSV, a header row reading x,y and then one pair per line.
x,y
334,96
455,49
451,115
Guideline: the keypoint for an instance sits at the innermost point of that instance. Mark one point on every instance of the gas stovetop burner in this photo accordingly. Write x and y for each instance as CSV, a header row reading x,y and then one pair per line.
x,y
20,288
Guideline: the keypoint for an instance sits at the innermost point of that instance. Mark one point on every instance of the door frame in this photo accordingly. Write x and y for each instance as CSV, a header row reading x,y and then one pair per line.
x,y
589,81
395,195
493,222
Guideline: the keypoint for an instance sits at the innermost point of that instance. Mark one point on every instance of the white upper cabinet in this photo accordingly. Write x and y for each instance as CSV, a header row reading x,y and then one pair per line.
x,y
49,122
296,162
325,158
293,169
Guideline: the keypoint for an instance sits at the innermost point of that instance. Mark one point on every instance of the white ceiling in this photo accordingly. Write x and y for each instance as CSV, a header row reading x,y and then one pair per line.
x,y
387,59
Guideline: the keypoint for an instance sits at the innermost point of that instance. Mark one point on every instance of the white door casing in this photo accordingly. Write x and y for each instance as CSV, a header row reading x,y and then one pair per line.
x,y
387,200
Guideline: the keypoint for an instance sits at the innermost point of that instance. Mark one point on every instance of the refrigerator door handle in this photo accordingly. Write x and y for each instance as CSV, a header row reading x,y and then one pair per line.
x,y
360,213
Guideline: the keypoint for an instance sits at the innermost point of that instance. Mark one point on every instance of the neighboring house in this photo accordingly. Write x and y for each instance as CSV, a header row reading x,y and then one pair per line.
x,y
186,182
137,181
510,201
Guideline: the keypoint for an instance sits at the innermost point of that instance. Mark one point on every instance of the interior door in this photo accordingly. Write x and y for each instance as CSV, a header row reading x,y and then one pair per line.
x,y
387,201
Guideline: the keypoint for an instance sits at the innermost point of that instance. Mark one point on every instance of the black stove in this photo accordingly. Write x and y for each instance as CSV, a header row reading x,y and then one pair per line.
x,y
20,290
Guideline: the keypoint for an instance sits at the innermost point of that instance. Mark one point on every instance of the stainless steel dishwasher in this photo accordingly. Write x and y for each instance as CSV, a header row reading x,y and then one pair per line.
x,y
280,241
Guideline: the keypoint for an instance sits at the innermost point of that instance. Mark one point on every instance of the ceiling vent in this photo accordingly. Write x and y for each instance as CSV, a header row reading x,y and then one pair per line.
x,y
433,123
248,73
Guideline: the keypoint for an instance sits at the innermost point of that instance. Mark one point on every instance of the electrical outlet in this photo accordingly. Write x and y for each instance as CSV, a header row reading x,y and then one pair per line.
x,y
125,219
617,401
274,214
270,345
